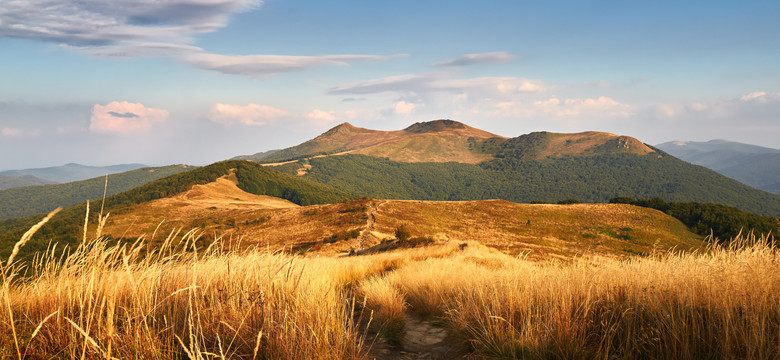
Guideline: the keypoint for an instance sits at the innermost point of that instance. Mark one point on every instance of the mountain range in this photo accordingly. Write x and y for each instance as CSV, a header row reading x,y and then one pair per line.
x,y
25,201
12,181
448,160
436,160
257,205
753,165
444,141
71,172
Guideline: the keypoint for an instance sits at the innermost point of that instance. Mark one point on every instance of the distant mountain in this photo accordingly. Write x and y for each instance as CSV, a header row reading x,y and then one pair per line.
x,y
750,164
447,160
73,172
256,156
12,181
30,200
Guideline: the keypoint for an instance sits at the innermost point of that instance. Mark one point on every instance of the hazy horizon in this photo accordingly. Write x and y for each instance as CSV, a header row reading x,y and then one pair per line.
x,y
186,81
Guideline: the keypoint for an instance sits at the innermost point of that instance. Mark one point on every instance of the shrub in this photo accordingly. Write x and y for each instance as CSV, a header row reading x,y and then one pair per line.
x,y
402,233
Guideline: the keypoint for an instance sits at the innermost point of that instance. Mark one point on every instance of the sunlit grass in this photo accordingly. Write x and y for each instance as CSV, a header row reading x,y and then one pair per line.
x,y
183,301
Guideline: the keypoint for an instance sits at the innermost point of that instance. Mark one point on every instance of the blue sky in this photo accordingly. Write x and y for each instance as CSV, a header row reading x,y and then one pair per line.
x,y
197,81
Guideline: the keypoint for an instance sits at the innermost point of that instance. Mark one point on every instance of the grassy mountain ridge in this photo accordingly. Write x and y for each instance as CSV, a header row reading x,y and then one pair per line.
x,y
253,178
438,140
449,140
544,145
29,200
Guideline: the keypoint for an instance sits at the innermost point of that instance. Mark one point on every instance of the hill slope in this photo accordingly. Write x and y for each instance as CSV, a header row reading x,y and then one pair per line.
x,y
541,231
12,181
30,200
753,165
252,178
73,172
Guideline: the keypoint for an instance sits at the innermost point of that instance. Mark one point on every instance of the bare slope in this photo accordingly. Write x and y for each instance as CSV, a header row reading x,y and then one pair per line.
x,y
433,141
221,199
590,143
222,209
448,140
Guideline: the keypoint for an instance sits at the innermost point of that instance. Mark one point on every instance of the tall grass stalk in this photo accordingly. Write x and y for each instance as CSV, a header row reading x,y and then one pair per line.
x,y
108,301
182,299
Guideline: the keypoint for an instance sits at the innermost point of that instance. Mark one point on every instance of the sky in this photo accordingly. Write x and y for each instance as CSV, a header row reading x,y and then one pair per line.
x,y
160,82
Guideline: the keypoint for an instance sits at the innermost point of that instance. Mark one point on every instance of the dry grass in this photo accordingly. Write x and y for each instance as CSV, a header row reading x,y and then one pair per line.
x,y
107,302
179,301
542,230
538,230
723,304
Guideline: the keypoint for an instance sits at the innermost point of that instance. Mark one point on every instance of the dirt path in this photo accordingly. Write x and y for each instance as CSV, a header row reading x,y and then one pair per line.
x,y
370,226
421,340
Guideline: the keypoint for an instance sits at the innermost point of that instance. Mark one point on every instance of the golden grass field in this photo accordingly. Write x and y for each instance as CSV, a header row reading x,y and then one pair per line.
x,y
539,231
231,275
182,302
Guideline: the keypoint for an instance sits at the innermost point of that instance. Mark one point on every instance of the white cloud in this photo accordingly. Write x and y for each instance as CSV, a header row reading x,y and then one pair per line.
x,y
404,108
697,106
321,117
555,108
18,133
755,107
257,65
602,105
149,28
491,85
495,57
665,110
106,23
135,49
250,114
753,96
122,117
440,82
11,132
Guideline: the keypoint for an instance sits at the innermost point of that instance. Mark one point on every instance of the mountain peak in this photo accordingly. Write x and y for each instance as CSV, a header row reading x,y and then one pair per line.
x,y
435,126
344,129
341,128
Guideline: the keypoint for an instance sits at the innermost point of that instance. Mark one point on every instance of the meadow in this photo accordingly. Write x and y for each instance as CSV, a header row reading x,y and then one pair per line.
x,y
181,301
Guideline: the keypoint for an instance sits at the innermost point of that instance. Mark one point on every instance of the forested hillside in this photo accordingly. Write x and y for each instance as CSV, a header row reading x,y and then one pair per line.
x,y
596,178
73,172
12,181
30,200
721,221
753,165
